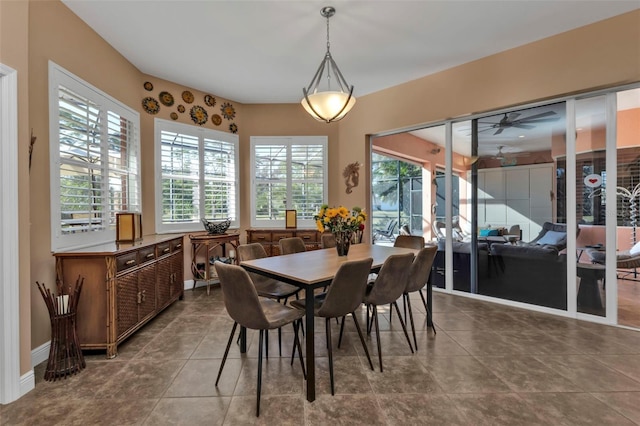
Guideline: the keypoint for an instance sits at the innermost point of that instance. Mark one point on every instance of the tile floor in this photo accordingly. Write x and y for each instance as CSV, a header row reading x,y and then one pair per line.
x,y
487,365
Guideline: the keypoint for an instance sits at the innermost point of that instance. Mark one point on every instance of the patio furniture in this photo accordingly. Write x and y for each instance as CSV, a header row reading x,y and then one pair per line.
x,y
387,232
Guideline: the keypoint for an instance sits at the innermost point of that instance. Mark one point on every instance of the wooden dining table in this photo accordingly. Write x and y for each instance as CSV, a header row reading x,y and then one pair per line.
x,y
314,269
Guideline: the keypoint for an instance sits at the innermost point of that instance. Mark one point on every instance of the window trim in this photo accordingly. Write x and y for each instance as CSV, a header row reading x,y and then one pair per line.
x,y
201,133
287,140
59,76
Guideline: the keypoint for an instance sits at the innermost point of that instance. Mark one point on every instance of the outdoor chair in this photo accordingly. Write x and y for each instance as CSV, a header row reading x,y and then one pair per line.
x,y
387,232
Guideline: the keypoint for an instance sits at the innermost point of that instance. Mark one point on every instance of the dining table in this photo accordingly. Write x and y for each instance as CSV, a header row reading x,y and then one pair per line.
x,y
314,269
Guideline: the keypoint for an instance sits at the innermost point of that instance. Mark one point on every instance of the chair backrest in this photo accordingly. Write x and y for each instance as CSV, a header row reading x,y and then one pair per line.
x,y
391,226
391,280
328,240
439,229
251,251
421,268
347,289
240,297
409,241
291,245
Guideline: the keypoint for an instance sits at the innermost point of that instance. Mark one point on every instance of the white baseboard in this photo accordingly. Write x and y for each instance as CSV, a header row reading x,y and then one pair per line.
x,y
27,383
40,354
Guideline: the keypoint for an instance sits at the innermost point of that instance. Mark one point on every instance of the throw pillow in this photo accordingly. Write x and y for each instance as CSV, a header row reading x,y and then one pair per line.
x,y
635,250
552,238
489,233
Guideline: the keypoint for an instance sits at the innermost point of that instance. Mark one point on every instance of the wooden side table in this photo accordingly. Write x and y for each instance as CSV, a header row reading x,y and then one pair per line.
x,y
65,356
202,245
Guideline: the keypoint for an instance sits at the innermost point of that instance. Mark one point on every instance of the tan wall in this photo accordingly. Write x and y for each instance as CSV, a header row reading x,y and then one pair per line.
x,y
56,34
14,48
548,68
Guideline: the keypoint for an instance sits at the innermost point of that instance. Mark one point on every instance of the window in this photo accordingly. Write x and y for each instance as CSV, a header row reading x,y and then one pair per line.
x,y
289,173
94,142
196,176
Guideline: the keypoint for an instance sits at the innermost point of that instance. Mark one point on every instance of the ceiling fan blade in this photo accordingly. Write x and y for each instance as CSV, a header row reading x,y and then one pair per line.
x,y
538,120
513,116
523,126
542,114
499,131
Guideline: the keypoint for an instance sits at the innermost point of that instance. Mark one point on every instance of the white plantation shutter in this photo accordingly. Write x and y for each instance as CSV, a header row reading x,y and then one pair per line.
x,y
290,173
94,146
196,176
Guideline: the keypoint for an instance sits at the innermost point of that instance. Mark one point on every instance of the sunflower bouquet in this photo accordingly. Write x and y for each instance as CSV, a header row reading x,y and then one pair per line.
x,y
340,219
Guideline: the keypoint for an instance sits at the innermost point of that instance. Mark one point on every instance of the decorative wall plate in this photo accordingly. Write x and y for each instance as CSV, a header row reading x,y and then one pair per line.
x,y
216,119
228,111
209,100
181,109
151,105
233,128
166,98
187,96
199,115
174,115
148,86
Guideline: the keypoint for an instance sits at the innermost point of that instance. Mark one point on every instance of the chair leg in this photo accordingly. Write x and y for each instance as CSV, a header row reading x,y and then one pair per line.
x,y
266,344
407,304
390,316
280,342
375,320
404,328
364,345
341,332
296,342
426,308
226,351
328,327
261,339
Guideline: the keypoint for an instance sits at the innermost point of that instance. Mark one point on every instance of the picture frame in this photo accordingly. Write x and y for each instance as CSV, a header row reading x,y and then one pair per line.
x,y
128,227
291,219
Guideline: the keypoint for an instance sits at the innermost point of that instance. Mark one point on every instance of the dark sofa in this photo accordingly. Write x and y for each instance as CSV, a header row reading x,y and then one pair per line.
x,y
530,274
461,265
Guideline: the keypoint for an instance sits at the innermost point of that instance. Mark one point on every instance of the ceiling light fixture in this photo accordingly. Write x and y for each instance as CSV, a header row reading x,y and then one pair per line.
x,y
329,105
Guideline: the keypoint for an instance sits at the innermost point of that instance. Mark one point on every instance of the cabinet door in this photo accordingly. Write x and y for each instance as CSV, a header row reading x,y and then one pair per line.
x,y
126,302
164,271
177,270
147,292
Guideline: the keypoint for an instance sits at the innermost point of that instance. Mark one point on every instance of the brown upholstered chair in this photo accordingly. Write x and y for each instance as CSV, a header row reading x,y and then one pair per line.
x,y
265,286
345,294
247,309
409,241
328,240
418,277
389,285
291,245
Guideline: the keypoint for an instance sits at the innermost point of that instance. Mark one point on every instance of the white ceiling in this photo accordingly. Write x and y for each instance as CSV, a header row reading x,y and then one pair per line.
x,y
266,51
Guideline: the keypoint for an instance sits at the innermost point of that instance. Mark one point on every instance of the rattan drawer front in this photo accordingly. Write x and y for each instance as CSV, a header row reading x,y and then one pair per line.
x,y
146,254
308,236
277,236
126,261
163,249
260,237
176,245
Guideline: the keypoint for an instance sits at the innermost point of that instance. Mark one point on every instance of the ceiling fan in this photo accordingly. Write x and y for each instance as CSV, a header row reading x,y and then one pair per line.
x,y
508,158
511,120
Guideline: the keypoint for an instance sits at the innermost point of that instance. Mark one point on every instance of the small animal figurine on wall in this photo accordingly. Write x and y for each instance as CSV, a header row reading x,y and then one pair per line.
x,y
351,176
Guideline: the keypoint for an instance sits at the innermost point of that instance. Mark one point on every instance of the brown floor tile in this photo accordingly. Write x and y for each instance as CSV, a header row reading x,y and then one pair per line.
x,y
625,403
189,411
345,410
421,409
497,409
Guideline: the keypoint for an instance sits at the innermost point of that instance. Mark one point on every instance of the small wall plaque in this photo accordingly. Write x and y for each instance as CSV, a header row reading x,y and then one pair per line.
x,y
128,227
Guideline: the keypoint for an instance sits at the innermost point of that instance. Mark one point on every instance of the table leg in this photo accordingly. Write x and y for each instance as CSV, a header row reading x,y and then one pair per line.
x,y
310,343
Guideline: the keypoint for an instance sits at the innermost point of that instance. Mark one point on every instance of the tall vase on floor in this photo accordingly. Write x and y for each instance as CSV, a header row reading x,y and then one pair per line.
x,y
343,242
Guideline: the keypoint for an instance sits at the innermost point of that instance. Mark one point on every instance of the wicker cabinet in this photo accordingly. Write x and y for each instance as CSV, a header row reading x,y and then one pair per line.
x,y
125,286
270,238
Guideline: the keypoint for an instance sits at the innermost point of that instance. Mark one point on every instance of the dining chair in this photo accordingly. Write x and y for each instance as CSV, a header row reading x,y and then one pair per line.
x,y
265,286
328,240
343,297
388,286
291,245
247,309
418,277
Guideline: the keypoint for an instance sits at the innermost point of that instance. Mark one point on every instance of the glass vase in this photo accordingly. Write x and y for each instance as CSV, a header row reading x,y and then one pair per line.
x,y
343,242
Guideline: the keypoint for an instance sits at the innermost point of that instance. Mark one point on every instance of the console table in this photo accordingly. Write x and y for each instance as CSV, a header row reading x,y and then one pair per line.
x,y
125,286
202,245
